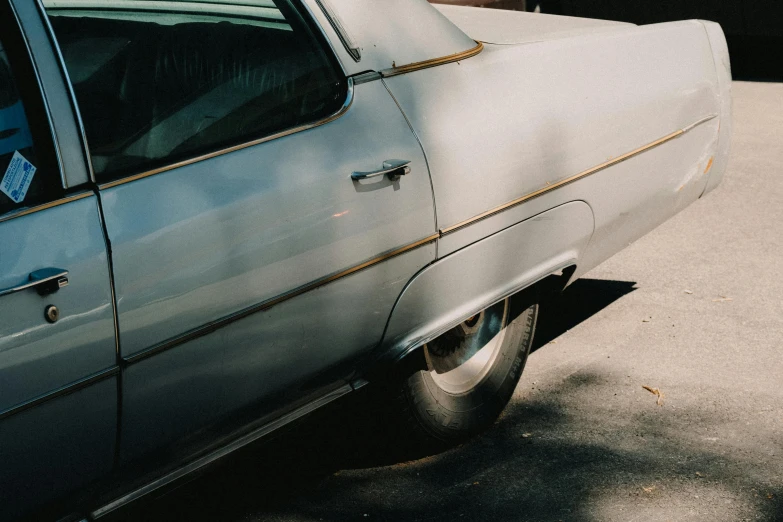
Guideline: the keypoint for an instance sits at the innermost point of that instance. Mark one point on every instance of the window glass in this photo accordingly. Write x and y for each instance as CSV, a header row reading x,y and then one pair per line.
x,y
162,81
26,178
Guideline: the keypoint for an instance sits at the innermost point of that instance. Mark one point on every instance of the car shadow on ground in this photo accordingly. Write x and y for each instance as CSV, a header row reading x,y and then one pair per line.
x,y
546,459
560,312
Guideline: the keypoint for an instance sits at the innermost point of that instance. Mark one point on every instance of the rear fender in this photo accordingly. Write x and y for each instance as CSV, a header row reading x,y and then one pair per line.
x,y
481,274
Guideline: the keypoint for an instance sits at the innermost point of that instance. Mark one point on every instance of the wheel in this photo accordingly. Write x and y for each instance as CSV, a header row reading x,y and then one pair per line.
x,y
471,374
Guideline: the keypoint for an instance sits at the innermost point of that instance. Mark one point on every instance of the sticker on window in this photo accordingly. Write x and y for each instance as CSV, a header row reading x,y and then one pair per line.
x,y
17,179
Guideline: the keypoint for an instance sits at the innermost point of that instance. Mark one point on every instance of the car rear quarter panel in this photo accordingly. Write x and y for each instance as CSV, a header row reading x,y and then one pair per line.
x,y
515,119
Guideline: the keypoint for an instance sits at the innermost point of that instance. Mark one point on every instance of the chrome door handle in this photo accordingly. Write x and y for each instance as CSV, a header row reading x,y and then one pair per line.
x,y
392,168
46,281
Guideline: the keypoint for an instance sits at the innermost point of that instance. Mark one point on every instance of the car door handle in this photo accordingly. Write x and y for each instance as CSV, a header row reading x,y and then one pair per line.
x,y
391,168
46,281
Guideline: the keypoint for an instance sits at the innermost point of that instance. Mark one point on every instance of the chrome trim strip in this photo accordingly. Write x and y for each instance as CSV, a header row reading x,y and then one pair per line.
x,y
55,142
342,32
56,203
60,392
222,452
366,77
236,9
402,69
699,122
71,93
346,105
265,305
583,174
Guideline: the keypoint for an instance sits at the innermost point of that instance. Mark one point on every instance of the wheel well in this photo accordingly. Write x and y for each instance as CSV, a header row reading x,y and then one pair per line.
x,y
414,359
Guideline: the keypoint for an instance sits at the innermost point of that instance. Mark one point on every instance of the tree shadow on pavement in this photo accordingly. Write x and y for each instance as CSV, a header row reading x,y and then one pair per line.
x,y
592,447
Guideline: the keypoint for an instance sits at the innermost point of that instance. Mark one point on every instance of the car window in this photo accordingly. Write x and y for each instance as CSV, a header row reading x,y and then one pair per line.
x,y
159,82
27,177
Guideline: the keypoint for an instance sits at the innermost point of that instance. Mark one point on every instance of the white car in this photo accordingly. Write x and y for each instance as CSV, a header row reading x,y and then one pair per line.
x,y
219,215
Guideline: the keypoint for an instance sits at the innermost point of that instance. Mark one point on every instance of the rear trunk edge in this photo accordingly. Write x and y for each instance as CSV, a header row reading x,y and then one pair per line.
x,y
720,53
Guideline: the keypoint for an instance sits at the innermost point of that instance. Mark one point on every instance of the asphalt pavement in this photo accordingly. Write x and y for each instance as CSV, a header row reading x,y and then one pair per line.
x,y
693,310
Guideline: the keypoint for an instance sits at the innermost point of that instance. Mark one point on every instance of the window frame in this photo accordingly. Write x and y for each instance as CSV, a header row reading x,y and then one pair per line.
x,y
37,113
321,40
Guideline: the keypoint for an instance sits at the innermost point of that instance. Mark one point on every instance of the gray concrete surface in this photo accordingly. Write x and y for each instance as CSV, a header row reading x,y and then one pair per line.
x,y
693,309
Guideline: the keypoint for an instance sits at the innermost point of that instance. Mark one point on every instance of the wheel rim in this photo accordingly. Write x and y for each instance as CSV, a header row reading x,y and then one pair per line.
x,y
461,358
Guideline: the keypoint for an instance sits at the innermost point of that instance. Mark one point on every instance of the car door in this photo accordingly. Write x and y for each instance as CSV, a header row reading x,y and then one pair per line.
x,y
58,388
252,269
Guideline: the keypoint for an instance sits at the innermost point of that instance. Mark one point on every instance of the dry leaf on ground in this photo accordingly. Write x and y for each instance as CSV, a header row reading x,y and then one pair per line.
x,y
656,392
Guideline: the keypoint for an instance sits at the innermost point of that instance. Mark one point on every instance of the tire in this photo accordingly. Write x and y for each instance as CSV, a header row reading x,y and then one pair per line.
x,y
472,371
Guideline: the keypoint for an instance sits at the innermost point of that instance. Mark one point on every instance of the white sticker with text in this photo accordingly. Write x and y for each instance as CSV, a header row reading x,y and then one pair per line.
x,y
17,179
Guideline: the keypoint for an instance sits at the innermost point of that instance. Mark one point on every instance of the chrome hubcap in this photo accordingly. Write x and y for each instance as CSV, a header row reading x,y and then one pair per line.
x,y
462,357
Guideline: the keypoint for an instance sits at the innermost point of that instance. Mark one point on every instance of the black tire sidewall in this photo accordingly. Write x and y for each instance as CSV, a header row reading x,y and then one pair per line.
x,y
454,417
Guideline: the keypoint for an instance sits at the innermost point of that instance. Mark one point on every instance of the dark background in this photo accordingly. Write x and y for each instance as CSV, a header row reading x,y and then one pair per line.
x,y
754,28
